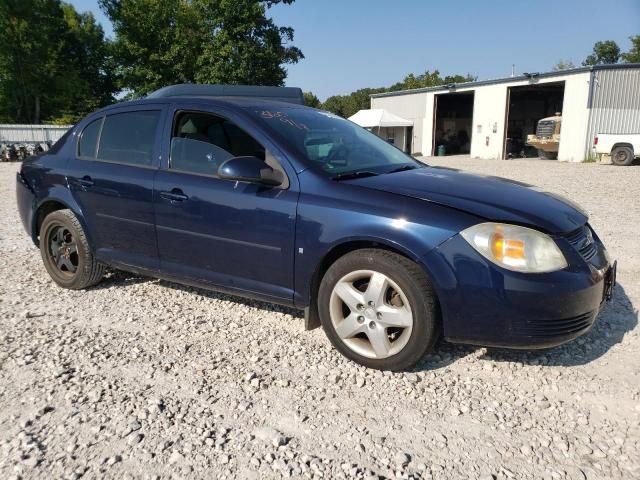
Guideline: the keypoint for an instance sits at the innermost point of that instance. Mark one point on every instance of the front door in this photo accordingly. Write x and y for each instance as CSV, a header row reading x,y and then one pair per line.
x,y
111,178
234,235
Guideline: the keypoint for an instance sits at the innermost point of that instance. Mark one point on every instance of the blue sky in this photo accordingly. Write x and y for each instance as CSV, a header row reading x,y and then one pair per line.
x,y
351,44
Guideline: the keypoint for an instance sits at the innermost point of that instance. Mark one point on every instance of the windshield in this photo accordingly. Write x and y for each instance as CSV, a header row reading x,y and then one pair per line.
x,y
333,144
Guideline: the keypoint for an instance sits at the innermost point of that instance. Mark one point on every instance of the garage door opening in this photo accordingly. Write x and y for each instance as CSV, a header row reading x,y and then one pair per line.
x,y
452,130
525,107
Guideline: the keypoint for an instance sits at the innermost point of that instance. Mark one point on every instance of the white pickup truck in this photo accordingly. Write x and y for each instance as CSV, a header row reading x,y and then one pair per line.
x,y
623,148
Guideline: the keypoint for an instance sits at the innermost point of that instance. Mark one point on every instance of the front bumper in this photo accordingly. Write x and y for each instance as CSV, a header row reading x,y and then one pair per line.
x,y
483,304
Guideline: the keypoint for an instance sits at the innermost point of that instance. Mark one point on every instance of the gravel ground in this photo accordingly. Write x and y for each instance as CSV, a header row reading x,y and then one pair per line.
x,y
140,378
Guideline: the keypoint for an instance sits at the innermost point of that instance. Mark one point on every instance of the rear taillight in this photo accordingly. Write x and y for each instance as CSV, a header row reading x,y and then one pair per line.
x,y
595,140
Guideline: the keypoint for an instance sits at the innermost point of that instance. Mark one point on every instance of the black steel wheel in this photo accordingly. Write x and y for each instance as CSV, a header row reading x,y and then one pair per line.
x,y
66,253
63,249
622,156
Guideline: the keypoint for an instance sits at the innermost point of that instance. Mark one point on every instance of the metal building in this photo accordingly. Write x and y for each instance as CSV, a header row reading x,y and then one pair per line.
x,y
492,118
14,133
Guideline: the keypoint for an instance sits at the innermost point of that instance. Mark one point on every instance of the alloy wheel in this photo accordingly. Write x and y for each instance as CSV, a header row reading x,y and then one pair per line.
x,y
371,314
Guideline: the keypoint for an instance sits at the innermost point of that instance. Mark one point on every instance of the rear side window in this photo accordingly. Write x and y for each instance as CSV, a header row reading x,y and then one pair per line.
x,y
89,139
129,137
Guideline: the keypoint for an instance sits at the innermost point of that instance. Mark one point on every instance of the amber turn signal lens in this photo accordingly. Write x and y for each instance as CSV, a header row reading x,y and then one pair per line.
x,y
508,248
516,248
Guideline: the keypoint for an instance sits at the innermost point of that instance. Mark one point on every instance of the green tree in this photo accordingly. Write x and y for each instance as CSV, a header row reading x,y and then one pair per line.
x,y
310,100
163,42
335,104
347,105
30,57
633,55
429,79
89,81
605,52
563,65
52,62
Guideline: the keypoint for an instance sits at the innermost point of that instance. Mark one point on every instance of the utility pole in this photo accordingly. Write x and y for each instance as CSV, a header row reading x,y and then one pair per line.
x,y
513,69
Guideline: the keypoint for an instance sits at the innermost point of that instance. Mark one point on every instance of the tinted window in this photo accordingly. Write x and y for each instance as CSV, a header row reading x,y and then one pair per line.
x,y
331,143
129,137
201,142
89,139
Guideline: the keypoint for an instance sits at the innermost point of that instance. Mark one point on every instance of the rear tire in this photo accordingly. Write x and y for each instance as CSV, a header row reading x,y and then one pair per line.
x,y
622,156
390,317
66,253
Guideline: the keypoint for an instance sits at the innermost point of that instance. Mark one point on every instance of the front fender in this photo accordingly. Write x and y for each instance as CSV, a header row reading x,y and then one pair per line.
x,y
351,215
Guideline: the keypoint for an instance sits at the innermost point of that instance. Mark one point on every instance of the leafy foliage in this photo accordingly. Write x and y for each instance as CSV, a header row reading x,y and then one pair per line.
x,y
633,55
310,100
347,105
604,52
163,42
57,66
563,65
53,62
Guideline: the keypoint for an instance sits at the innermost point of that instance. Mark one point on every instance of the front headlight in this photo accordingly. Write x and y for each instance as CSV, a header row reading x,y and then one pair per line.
x,y
515,248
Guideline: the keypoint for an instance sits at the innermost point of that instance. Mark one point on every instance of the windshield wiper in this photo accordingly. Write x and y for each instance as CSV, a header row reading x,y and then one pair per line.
x,y
356,174
403,168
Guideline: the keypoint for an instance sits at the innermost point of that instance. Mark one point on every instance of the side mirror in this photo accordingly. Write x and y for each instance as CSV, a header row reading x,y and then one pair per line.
x,y
251,170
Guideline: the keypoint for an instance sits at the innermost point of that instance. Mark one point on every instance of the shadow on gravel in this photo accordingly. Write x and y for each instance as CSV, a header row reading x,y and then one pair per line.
x,y
616,319
121,278
444,354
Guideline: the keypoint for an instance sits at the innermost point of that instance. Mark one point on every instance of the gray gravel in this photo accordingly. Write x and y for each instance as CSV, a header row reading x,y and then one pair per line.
x,y
140,378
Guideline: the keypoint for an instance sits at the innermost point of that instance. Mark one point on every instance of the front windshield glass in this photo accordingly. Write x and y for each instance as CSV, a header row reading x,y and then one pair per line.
x,y
333,144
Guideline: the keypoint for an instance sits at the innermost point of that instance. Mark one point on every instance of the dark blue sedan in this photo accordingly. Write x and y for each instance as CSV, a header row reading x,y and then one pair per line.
x,y
244,190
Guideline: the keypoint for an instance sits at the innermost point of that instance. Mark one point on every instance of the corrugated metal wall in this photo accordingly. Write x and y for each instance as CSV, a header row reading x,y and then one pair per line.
x,y
31,133
614,103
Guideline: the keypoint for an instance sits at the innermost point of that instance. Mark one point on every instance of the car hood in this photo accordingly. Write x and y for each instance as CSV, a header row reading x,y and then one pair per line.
x,y
493,198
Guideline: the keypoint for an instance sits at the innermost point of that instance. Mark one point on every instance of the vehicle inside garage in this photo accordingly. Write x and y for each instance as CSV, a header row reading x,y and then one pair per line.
x,y
526,105
453,123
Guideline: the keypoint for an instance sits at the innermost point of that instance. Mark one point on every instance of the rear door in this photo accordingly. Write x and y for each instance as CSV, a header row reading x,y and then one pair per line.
x,y
235,235
111,177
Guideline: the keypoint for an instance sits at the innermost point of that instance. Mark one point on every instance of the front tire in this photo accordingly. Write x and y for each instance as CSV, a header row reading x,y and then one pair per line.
x,y
379,309
622,156
66,253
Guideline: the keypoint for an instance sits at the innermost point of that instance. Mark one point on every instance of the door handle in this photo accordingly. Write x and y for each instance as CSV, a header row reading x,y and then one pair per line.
x,y
86,181
174,195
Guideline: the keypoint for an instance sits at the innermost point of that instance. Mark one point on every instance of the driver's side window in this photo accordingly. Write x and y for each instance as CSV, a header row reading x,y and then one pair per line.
x,y
201,142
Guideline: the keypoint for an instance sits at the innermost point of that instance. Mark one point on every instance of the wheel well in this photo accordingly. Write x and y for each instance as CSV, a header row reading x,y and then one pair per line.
x,y
341,250
311,318
44,210
622,145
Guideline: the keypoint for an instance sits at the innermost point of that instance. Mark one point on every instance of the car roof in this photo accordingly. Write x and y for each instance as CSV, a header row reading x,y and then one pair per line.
x,y
284,94
245,103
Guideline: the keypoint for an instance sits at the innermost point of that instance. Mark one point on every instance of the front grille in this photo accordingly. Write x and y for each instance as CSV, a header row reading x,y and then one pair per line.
x,y
582,240
546,128
556,328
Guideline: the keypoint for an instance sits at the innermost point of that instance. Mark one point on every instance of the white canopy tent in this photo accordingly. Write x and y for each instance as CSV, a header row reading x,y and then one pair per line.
x,y
392,128
379,117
